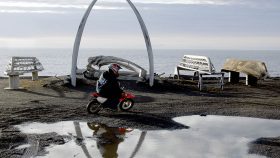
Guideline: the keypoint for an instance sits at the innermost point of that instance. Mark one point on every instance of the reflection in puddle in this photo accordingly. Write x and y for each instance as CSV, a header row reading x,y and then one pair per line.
x,y
108,138
210,136
23,146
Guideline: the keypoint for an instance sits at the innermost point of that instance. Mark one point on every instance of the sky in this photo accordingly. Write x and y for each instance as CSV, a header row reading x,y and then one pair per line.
x,y
172,24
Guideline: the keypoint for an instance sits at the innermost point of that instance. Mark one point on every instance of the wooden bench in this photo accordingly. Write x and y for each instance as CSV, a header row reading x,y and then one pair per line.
x,y
20,66
254,70
202,67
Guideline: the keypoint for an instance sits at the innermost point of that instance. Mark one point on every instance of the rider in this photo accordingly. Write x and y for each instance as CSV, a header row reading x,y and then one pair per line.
x,y
108,86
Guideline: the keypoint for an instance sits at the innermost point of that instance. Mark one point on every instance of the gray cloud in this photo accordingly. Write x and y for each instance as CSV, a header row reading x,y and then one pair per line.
x,y
180,23
66,6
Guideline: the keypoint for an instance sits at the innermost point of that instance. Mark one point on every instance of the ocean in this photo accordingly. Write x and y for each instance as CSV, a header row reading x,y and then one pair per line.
x,y
58,61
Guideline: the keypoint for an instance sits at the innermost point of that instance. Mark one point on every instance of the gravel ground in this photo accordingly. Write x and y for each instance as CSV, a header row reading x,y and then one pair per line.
x,y
51,99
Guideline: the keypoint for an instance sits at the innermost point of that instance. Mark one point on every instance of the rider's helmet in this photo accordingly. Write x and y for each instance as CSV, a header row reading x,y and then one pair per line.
x,y
115,68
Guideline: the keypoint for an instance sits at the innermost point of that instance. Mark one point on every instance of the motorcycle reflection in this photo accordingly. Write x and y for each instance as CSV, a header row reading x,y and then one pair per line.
x,y
108,138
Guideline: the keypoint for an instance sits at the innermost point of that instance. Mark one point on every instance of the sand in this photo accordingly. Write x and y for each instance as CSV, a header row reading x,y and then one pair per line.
x,y
51,99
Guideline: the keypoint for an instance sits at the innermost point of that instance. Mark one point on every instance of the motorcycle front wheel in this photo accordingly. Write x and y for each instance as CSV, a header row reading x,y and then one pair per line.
x,y
93,107
126,104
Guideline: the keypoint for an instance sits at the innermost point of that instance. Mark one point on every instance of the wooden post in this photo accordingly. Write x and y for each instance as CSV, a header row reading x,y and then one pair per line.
x,y
251,80
233,77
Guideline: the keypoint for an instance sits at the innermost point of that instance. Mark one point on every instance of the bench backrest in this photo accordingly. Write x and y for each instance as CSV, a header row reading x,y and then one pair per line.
x,y
201,64
21,65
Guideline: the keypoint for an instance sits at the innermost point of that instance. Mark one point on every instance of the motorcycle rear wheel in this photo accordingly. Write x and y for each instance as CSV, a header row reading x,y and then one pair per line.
x,y
126,104
93,107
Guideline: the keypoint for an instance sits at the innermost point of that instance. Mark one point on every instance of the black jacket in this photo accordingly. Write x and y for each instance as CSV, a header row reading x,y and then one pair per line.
x,y
108,85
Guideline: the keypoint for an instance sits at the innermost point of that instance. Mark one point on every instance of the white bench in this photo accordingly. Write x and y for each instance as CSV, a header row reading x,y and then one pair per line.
x,y
20,65
202,66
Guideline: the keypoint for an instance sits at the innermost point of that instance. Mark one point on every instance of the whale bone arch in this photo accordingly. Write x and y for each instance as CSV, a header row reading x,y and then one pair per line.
x,y
80,33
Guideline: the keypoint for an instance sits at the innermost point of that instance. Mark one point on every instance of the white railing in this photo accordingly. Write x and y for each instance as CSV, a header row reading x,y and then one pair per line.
x,y
19,66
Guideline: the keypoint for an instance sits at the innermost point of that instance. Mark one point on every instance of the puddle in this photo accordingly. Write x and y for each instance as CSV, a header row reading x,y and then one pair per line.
x,y
210,136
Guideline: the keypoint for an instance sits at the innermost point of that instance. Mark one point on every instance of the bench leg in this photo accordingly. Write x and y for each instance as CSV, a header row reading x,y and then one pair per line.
x,y
13,82
200,82
176,73
35,76
222,81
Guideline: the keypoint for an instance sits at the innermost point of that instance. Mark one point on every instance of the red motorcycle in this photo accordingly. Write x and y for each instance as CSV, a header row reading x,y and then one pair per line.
x,y
97,103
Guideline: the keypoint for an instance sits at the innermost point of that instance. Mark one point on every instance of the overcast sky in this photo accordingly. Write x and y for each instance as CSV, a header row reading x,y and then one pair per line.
x,y
182,24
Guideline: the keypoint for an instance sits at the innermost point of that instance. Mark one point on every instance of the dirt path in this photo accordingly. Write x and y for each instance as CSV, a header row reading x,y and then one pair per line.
x,y
155,107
